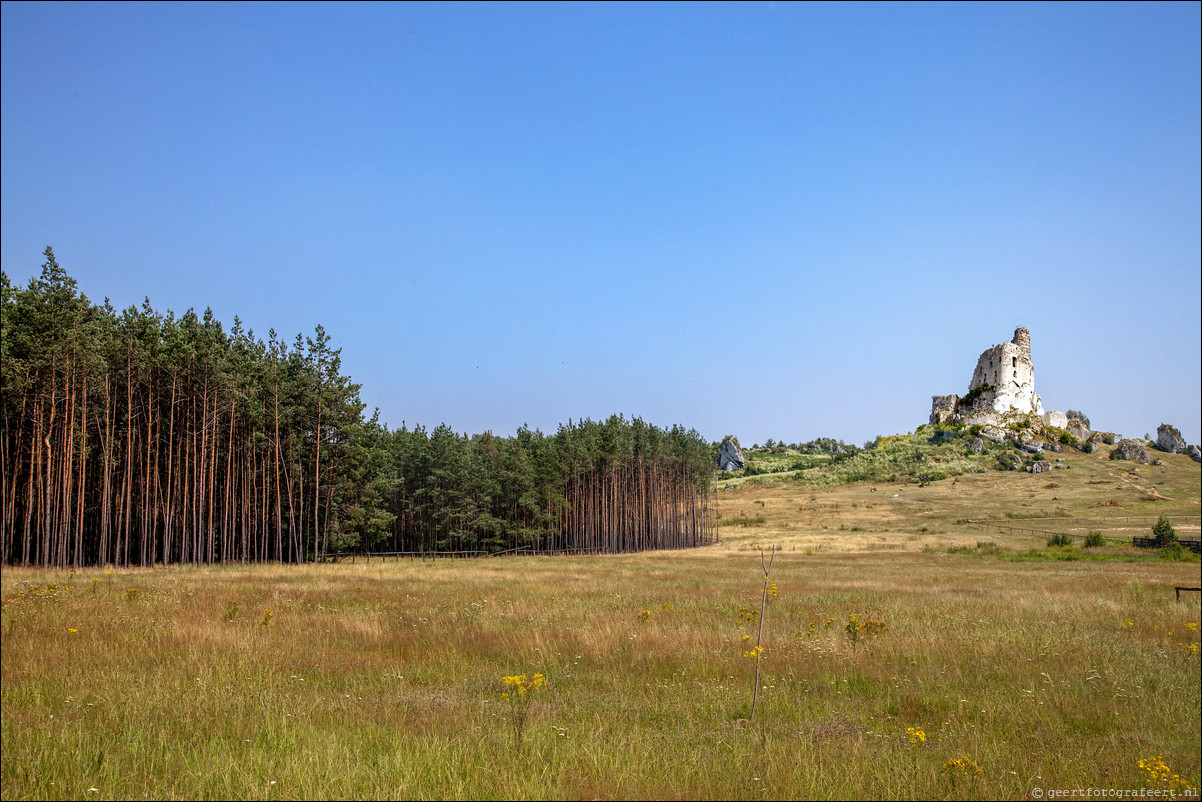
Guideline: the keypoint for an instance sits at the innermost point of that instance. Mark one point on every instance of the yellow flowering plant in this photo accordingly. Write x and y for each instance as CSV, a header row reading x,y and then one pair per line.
x,y
1160,775
518,691
959,768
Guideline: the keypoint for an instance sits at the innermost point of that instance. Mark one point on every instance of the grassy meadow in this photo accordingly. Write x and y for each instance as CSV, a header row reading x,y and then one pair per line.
x,y
1001,666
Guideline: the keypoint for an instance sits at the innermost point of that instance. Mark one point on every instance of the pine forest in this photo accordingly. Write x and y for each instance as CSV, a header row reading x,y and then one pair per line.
x,y
137,438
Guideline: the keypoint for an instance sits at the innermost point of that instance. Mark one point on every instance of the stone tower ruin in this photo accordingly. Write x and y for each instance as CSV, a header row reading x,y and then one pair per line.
x,y
1002,384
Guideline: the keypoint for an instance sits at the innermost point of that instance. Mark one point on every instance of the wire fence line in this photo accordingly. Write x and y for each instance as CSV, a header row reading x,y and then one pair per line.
x,y
472,554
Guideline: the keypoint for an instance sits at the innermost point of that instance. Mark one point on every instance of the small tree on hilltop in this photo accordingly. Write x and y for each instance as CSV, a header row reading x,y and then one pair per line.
x,y
1164,532
1078,415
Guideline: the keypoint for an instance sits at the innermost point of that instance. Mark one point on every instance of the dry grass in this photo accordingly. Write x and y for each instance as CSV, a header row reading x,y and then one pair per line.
x,y
1089,492
384,680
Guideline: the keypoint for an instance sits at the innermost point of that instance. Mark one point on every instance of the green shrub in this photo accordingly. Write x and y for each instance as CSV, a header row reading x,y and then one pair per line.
x,y
1094,540
1059,541
1164,532
1174,551
974,394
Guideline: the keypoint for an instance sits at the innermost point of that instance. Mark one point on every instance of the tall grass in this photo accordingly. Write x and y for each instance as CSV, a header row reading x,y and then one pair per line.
x,y
386,680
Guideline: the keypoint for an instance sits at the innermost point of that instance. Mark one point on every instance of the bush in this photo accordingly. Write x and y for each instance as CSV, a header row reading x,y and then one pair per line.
x,y
1094,540
1173,551
1059,541
1164,532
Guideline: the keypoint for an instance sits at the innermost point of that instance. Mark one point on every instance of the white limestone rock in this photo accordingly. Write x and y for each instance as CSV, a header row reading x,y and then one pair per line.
x,y
730,458
1169,439
1130,450
1057,419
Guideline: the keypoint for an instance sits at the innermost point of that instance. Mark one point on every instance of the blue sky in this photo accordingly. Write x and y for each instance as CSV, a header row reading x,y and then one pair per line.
x,y
781,221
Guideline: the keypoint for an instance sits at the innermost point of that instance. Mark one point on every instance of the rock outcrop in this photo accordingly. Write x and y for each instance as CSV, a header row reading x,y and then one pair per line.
x,y
1169,439
730,457
1057,419
1130,450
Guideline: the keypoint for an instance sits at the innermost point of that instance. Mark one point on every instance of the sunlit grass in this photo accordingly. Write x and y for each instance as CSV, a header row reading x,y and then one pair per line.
x,y
384,680
890,616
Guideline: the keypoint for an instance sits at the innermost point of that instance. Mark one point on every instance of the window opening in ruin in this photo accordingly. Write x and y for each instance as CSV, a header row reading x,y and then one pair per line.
x,y
1014,362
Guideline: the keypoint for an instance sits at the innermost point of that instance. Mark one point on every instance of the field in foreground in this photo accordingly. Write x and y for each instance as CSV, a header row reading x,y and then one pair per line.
x,y
996,672
385,680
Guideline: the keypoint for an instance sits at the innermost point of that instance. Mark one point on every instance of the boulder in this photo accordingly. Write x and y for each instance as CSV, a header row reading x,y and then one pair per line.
x,y
1057,419
1040,467
1130,450
1195,453
977,444
1078,430
1030,448
730,458
1169,439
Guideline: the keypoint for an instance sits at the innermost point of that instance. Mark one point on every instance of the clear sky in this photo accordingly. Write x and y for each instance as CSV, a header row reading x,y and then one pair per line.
x,y
781,221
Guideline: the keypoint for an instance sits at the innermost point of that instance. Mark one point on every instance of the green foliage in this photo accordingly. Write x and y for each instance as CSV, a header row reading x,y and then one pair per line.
x,y
1059,541
913,457
195,443
1077,415
975,393
1174,552
1094,540
1006,461
1163,532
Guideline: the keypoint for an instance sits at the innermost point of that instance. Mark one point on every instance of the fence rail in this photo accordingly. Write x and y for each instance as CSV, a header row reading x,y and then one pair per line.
x,y
526,551
1177,519
1152,543
1193,544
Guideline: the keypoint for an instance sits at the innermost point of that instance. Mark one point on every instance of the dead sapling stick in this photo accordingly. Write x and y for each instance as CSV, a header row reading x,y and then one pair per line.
x,y
759,638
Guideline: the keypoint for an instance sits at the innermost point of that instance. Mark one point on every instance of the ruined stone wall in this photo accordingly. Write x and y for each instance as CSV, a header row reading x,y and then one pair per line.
x,y
1002,384
1007,369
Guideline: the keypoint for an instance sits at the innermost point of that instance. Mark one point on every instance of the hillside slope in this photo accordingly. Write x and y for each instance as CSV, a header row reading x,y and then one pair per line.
x,y
919,490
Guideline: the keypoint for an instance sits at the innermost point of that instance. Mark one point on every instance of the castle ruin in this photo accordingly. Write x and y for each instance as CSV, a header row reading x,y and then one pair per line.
x,y
1003,384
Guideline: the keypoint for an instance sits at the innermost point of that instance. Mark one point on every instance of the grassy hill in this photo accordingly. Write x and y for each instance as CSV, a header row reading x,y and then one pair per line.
x,y
925,490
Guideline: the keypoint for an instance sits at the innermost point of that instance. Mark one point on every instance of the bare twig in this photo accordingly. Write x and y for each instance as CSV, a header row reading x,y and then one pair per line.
x,y
755,695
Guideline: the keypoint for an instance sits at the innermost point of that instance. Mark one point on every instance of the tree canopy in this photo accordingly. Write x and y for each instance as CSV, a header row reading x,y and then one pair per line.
x,y
138,437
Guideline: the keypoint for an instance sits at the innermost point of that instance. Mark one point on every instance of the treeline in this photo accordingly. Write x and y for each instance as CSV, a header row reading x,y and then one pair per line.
x,y
136,438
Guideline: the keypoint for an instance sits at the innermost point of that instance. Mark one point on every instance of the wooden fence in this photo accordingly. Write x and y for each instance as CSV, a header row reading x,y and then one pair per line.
x,y
1152,543
1193,544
